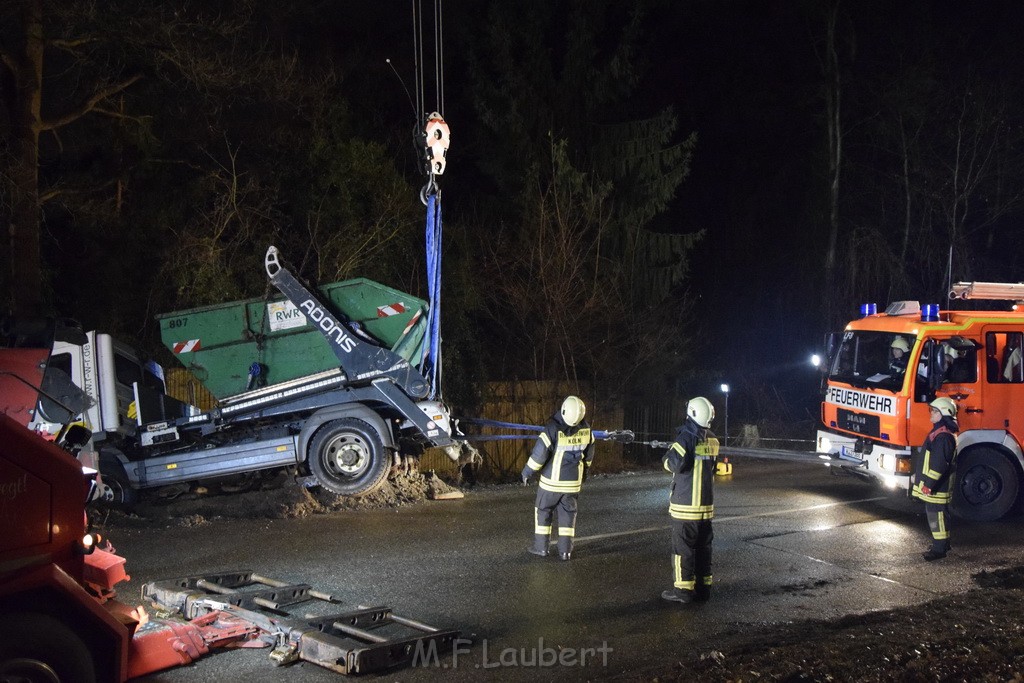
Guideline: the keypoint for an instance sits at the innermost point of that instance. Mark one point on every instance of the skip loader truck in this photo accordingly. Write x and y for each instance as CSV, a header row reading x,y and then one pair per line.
x,y
885,368
328,383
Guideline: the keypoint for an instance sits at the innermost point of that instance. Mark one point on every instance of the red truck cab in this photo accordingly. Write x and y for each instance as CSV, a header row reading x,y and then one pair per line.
x,y
56,614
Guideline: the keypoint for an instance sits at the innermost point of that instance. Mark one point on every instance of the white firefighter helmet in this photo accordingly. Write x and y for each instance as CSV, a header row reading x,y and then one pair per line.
x,y
573,410
945,406
700,410
901,344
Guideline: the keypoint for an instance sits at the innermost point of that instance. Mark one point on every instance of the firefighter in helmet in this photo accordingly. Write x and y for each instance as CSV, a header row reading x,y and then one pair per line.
x,y
898,351
563,453
691,460
933,474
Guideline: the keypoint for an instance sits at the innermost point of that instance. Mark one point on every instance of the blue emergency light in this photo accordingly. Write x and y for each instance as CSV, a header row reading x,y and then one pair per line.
x,y
868,309
930,313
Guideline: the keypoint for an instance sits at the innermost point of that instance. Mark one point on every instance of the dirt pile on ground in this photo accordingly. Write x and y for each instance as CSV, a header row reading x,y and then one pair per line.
x,y
276,497
973,636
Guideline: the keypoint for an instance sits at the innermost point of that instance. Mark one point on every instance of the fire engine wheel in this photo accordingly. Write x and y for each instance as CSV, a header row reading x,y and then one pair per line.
x,y
37,648
986,485
348,457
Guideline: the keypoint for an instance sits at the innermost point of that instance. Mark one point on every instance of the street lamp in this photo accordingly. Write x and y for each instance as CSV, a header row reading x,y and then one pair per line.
x,y
816,360
725,390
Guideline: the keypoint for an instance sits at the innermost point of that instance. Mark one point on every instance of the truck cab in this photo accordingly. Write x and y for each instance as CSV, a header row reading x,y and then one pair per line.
x,y
107,372
875,405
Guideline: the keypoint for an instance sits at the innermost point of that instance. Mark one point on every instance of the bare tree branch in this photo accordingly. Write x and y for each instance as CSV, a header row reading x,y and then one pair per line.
x,y
89,104
55,192
71,45
118,115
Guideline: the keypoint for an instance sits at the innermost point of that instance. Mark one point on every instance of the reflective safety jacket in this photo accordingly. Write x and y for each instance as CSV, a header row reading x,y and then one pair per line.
x,y
561,455
936,465
691,460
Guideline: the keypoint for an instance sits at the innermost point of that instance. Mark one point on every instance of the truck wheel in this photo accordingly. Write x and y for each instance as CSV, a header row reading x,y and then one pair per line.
x,y
986,485
40,649
113,475
348,458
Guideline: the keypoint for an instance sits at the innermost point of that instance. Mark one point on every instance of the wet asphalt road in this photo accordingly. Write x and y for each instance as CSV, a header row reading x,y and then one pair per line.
x,y
792,542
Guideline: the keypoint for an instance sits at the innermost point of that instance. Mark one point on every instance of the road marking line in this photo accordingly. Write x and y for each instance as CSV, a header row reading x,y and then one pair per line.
x,y
812,507
647,530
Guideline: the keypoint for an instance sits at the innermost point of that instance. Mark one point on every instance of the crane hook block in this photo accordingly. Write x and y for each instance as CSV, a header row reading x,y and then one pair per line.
x,y
437,137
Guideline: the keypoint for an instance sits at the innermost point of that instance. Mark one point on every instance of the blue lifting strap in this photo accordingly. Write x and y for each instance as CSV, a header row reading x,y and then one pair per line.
x,y
431,363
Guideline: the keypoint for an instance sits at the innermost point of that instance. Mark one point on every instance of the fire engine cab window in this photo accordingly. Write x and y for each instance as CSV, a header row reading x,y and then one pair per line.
x,y
871,359
1003,358
960,366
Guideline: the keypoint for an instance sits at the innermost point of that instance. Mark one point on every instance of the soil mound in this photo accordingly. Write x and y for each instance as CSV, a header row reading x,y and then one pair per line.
x,y
271,497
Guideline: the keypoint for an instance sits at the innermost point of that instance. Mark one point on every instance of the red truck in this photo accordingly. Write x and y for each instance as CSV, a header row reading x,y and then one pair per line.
x,y
60,619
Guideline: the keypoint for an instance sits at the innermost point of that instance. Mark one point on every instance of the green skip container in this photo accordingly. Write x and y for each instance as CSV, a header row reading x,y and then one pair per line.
x,y
220,344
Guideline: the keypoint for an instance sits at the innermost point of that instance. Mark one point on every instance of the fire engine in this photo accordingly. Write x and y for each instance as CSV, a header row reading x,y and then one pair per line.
x,y
885,368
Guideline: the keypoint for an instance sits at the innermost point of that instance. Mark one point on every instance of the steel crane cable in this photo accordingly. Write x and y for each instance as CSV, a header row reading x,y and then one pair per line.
x,y
430,362
418,60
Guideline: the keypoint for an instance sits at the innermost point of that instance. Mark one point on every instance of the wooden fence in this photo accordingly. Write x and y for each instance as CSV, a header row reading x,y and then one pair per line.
x,y
531,403
184,387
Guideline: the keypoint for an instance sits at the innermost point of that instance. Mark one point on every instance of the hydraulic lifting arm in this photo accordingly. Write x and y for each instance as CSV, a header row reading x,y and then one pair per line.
x,y
361,361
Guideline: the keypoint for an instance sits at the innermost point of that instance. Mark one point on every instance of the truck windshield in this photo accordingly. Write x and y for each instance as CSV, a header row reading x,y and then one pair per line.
x,y
871,359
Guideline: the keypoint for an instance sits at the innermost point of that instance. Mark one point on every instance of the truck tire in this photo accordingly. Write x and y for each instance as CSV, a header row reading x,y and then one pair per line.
x,y
348,458
124,495
41,649
986,485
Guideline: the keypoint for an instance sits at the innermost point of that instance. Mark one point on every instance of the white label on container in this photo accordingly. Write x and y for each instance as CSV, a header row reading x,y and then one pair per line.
x,y
283,315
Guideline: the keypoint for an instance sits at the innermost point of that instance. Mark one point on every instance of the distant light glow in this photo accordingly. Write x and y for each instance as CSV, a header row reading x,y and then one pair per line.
x,y
816,360
725,388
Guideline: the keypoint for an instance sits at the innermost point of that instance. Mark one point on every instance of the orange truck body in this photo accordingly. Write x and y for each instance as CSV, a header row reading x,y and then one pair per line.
x,y
57,589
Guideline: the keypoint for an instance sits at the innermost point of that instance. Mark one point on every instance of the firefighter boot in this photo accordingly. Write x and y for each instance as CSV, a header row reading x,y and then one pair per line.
x,y
936,552
677,595
540,545
702,592
564,547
